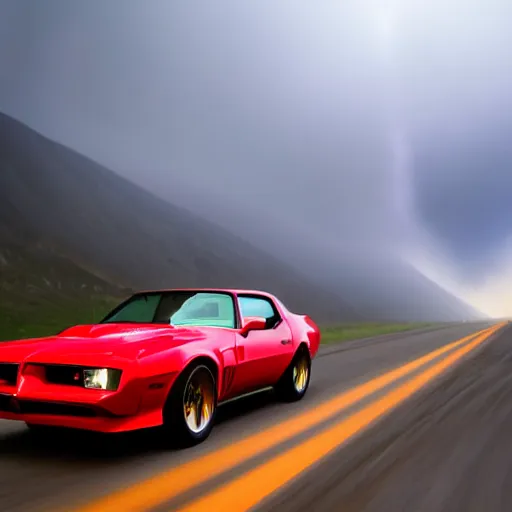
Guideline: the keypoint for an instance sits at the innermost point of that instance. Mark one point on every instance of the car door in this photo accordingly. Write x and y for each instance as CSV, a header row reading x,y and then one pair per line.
x,y
263,355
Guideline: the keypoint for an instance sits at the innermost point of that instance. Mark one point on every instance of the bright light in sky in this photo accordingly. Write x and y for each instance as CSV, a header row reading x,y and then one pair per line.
x,y
386,24
493,296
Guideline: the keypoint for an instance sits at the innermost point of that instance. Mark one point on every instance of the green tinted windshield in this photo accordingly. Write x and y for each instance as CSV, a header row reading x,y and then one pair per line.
x,y
177,308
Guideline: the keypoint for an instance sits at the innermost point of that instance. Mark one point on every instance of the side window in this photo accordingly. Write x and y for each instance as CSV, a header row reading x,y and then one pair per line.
x,y
256,306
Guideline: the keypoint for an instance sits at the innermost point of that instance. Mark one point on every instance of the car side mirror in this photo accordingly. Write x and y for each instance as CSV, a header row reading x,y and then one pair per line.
x,y
253,323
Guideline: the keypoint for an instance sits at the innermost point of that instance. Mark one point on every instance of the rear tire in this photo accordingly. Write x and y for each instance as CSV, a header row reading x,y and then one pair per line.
x,y
190,410
295,381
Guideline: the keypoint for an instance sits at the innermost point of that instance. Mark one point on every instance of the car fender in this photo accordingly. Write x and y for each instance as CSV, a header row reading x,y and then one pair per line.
x,y
305,331
174,361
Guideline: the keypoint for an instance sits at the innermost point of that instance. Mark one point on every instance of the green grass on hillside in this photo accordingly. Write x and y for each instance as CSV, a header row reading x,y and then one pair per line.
x,y
42,293
347,332
36,320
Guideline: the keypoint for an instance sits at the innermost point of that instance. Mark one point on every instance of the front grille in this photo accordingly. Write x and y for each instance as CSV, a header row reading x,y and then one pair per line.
x,y
67,375
13,405
33,407
9,372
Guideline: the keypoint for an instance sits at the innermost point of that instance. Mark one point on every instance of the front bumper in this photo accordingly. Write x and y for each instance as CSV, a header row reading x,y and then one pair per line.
x,y
75,416
138,403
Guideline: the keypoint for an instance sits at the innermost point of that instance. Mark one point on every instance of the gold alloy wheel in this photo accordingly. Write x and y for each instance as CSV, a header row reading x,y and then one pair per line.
x,y
300,374
199,399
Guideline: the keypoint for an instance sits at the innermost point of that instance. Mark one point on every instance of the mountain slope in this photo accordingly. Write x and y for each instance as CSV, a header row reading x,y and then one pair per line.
x,y
59,206
391,289
383,287
377,284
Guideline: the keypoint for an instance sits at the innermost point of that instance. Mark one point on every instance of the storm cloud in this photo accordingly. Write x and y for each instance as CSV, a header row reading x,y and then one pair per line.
x,y
456,92
365,126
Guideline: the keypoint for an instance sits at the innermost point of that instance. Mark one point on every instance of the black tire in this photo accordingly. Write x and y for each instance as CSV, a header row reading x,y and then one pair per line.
x,y
176,430
38,428
288,389
42,430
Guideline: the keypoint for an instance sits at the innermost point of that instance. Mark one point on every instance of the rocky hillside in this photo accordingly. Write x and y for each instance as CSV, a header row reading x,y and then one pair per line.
x,y
72,228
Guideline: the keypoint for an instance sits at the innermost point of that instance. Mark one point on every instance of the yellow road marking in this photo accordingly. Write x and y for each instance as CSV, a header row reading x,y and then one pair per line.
x,y
144,495
248,490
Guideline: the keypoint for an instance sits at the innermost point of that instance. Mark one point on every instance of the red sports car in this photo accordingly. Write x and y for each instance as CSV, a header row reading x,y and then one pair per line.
x,y
161,358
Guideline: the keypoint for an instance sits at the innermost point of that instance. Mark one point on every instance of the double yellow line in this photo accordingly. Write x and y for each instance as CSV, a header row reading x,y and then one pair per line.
x,y
249,489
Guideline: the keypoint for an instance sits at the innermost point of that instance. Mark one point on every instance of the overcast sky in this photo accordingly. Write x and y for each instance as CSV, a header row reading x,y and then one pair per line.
x,y
374,124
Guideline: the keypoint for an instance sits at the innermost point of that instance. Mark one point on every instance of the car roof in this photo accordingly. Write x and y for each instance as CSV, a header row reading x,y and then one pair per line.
x,y
235,291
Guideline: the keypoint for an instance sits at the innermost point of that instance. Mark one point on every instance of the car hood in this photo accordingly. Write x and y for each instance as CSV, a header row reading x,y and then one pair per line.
x,y
83,343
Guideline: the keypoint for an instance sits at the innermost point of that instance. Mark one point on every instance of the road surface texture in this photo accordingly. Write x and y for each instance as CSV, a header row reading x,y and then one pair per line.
x,y
446,448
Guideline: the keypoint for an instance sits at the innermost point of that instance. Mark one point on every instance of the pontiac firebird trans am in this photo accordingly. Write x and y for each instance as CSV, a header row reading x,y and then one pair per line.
x,y
163,358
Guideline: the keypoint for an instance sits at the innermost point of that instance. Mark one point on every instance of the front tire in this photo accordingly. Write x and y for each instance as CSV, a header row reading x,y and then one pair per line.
x,y
34,427
190,409
42,431
295,381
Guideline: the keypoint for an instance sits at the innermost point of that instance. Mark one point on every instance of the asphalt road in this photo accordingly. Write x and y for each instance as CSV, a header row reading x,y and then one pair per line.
x,y
447,448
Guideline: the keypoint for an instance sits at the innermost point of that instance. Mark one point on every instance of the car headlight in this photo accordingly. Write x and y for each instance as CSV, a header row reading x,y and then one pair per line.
x,y
102,378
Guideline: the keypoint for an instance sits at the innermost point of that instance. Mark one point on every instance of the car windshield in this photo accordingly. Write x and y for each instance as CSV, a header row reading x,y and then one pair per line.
x,y
199,308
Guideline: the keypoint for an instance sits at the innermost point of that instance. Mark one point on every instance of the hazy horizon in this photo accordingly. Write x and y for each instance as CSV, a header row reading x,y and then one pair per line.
x,y
374,128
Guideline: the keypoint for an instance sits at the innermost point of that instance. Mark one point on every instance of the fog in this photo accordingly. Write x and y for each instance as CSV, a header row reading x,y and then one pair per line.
x,y
368,127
